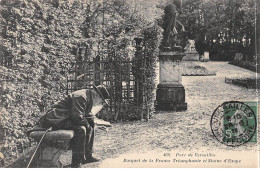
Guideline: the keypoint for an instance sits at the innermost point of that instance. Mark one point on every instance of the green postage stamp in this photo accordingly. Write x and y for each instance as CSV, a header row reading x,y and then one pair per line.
x,y
234,123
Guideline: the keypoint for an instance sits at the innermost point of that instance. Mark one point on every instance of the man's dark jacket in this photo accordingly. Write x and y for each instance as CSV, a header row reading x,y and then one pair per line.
x,y
71,111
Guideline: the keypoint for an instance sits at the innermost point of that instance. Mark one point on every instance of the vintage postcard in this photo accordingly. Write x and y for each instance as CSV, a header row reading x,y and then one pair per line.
x,y
129,84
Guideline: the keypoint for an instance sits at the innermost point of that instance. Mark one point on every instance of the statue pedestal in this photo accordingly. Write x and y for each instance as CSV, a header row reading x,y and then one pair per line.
x,y
170,93
191,56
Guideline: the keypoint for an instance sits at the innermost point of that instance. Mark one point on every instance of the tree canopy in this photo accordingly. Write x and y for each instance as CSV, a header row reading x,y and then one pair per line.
x,y
223,27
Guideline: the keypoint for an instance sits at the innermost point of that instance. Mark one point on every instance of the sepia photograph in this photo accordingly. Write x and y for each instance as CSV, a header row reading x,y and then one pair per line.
x,y
129,83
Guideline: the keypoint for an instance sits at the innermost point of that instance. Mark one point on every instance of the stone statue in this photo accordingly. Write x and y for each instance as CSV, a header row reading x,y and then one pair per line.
x,y
191,46
190,51
169,24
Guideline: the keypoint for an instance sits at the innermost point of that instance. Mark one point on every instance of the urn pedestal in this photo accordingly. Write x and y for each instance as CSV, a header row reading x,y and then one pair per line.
x,y
191,56
170,93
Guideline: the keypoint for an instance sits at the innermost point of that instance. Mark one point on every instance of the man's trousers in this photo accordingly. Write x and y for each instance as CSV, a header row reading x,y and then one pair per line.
x,y
82,142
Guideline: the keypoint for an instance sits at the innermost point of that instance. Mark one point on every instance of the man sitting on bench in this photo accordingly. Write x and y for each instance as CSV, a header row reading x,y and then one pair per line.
x,y
77,112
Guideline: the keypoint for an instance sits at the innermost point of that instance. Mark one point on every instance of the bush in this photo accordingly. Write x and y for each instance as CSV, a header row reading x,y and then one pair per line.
x,y
250,83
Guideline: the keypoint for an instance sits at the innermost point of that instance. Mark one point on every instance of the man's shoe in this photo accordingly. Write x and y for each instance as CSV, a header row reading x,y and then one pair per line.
x,y
91,159
78,165
76,160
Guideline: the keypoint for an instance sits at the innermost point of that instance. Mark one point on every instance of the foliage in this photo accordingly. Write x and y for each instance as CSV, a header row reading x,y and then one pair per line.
x,y
221,27
36,42
154,36
250,83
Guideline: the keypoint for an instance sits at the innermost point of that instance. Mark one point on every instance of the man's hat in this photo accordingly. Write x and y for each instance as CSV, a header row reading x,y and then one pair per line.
x,y
102,91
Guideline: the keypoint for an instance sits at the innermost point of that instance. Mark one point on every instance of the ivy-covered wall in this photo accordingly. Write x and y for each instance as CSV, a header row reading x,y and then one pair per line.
x,y
37,38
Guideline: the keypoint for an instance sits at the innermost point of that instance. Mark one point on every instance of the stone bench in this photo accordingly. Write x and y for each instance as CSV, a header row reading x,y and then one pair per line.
x,y
53,145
